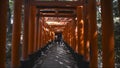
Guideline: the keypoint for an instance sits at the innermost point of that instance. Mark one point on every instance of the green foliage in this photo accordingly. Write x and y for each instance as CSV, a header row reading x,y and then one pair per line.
x,y
11,5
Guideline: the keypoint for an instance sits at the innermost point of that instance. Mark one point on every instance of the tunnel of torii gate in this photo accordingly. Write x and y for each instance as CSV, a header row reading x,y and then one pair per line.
x,y
80,33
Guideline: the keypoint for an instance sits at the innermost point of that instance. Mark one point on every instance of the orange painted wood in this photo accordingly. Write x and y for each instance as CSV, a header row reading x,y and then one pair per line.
x,y
42,39
26,26
42,36
35,40
16,34
73,37
87,40
80,27
31,30
67,34
3,26
93,34
37,30
86,34
107,34
72,4
39,35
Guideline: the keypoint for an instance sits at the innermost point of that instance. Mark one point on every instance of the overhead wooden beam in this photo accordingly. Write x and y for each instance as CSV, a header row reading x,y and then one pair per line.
x,y
53,7
57,25
58,11
57,15
59,4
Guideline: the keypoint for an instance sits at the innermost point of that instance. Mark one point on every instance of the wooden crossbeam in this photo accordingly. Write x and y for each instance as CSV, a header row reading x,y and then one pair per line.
x,y
57,15
56,4
58,11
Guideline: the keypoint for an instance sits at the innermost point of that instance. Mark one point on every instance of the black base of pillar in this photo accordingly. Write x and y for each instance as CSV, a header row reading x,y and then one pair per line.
x,y
25,64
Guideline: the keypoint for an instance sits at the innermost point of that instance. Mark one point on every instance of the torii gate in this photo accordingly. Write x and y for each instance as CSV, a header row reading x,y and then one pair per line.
x,y
30,15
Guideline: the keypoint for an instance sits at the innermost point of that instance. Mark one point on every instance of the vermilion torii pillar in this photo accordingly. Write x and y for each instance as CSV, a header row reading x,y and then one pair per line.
x,y
37,29
3,26
86,34
40,34
86,41
16,33
35,45
42,39
80,26
31,30
74,36
67,33
26,34
71,35
46,37
107,34
93,34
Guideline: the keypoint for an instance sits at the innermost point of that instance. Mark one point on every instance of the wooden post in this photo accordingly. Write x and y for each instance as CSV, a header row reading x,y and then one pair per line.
x,y
65,36
44,36
93,34
42,39
3,26
16,34
35,45
40,34
36,31
37,28
73,34
68,35
51,35
107,34
31,30
86,41
47,37
70,28
86,35
80,25
25,35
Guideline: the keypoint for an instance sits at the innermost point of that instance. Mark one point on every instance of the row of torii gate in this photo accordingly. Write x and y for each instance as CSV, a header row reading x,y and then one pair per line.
x,y
86,40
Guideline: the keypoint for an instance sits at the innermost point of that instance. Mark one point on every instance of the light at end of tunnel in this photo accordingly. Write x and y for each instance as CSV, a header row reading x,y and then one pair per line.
x,y
53,23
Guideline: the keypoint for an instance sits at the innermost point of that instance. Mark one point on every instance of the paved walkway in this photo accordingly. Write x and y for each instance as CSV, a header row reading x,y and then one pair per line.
x,y
57,56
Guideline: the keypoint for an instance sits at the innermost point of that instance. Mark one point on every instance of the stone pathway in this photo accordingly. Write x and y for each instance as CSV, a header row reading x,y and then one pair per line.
x,y
57,56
